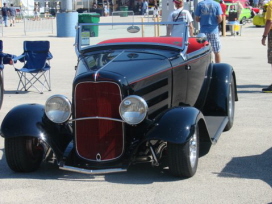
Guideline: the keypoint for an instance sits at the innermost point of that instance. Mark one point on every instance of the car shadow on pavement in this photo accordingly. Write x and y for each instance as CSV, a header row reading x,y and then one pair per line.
x,y
142,174
250,88
250,167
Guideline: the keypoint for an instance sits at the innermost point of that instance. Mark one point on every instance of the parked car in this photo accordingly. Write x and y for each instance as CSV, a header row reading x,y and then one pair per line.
x,y
245,3
157,100
259,19
246,12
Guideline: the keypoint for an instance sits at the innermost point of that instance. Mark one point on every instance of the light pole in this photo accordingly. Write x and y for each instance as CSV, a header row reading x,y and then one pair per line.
x,y
88,6
67,5
27,7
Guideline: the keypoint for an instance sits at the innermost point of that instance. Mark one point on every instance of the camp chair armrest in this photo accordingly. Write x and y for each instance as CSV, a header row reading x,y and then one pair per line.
x,y
18,58
50,56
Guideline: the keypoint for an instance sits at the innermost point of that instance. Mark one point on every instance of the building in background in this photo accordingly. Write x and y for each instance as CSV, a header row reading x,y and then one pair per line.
x,y
54,6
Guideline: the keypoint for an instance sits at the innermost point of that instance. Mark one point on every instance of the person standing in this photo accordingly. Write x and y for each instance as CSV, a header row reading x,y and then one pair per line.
x,y
179,15
156,11
12,15
209,14
94,6
255,3
106,10
268,33
36,12
5,12
145,7
224,8
239,10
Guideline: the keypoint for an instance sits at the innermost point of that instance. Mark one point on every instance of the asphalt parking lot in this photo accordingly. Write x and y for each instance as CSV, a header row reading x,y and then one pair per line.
x,y
238,169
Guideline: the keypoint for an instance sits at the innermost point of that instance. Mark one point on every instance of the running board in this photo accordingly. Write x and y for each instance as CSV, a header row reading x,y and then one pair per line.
x,y
93,172
216,125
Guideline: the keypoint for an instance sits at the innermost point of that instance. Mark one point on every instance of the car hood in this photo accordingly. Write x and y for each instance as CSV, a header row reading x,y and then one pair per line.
x,y
132,65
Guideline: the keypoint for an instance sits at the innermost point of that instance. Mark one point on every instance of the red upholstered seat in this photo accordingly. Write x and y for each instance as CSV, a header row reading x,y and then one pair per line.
x,y
177,41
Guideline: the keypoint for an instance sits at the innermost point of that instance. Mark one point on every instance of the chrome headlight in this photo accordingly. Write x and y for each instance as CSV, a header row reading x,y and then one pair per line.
x,y
133,109
58,108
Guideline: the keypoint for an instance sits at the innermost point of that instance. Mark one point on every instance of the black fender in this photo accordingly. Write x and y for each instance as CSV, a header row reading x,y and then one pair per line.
x,y
177,125
216,100
30,120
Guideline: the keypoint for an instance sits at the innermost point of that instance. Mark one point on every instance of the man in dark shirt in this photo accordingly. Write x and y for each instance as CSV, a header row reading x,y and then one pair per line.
x,y
12,15
5,12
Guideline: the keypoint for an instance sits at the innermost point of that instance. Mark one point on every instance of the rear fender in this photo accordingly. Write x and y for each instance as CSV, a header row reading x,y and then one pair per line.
x,y
216,103
30,120
177,125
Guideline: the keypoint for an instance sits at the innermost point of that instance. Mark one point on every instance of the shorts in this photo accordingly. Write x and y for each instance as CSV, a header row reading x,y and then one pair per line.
x,y
214,39
11,17
269,47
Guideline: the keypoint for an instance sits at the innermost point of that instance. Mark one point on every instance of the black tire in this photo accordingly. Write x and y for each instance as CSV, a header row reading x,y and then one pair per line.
x,y
252,13
1,88
231,105
23,154
243,21
183,158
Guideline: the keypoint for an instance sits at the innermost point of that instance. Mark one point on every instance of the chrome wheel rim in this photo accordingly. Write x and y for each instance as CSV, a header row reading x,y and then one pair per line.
x,y
193,150
230,109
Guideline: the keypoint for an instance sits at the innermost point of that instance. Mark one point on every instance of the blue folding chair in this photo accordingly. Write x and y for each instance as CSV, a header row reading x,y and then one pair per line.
x,y
36,69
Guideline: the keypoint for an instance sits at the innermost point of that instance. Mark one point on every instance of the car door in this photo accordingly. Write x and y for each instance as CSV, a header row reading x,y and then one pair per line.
x,y
180,75
197,68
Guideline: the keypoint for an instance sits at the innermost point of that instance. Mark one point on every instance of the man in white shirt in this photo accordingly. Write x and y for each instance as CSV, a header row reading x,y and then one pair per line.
x,y
179,15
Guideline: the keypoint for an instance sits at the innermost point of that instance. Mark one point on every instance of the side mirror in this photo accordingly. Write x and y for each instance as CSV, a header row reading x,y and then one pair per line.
x,y
201,38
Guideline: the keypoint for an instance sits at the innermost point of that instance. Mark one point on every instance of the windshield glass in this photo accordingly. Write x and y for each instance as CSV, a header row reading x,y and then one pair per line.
x,y
99,34
98,60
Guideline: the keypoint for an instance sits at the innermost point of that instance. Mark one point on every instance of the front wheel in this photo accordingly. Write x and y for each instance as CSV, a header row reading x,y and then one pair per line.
x,y
23,154
183,158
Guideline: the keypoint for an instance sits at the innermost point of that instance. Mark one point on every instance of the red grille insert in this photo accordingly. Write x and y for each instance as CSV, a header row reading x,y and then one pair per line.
x,y
98,138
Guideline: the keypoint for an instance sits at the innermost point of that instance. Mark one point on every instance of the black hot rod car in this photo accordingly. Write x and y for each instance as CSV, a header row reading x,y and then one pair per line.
x,y
135,99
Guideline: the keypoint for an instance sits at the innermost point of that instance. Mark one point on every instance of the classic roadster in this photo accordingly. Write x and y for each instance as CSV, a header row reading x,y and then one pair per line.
x,y
138,97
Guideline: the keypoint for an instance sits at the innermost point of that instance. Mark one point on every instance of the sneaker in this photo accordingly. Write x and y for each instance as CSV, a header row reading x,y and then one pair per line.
x,y
10,24
268,89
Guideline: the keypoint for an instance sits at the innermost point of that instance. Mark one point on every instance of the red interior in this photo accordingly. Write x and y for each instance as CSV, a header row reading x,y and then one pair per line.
x,y
177,41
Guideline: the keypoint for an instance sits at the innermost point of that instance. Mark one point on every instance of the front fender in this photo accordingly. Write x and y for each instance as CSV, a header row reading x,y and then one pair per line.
x,y
30,120
177,125
23,120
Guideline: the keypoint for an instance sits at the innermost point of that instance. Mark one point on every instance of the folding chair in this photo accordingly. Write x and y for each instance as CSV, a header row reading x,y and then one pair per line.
x,y
36,69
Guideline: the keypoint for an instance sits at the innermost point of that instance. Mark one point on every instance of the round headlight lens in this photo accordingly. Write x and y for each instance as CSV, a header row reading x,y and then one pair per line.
x,y
133,109
58,109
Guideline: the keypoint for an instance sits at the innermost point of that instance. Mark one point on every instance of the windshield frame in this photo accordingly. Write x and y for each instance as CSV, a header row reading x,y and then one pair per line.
x,y
184,35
